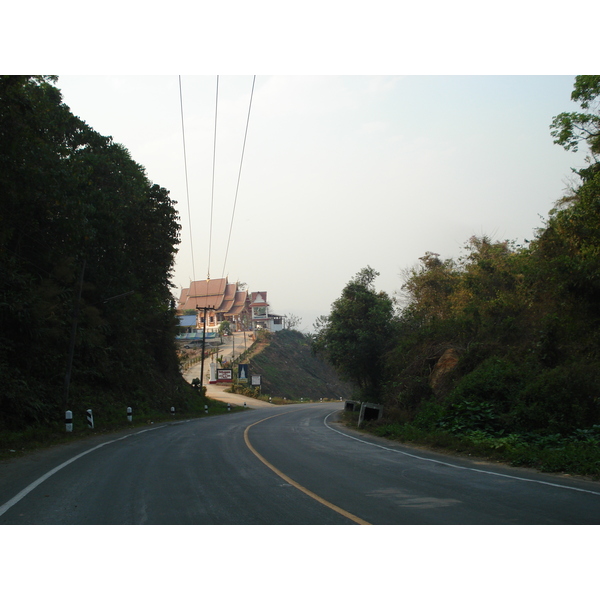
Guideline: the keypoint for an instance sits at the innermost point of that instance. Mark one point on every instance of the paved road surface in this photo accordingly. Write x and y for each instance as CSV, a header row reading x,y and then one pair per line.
x,y
280,465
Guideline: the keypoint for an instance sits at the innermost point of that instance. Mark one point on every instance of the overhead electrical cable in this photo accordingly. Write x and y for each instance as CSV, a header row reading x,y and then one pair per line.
x,y
213,180
239,177
187,189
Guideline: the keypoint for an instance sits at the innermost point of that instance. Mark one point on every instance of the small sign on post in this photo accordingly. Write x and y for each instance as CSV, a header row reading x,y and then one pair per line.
x,y
242,373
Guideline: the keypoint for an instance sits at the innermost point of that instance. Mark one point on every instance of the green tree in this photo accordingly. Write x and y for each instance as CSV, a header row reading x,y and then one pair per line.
x,y
358,332
71,196
428,287
570,128
225,328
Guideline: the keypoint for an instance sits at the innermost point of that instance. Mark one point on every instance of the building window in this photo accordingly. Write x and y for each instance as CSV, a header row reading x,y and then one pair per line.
x,y
259,311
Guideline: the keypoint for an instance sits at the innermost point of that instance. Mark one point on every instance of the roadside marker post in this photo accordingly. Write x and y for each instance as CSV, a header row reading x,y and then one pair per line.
x,y
228,407
90,418
206,408
69,421
172,411
129,414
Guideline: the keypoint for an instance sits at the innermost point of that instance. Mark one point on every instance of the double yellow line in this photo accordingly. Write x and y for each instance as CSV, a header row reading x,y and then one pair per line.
x,y
306,491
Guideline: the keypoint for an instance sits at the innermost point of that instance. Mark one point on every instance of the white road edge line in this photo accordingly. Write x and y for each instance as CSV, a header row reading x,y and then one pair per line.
x,y
439,462
49,474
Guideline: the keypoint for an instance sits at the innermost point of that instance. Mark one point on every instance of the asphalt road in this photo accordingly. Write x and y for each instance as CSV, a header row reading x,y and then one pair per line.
x,y
280,465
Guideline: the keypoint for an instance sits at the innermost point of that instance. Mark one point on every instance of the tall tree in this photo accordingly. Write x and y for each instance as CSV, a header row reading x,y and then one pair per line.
x,y
356,335
71,196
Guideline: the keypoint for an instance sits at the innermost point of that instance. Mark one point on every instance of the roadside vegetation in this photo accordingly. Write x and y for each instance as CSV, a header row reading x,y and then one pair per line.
x,y
17,442
87,248
497,352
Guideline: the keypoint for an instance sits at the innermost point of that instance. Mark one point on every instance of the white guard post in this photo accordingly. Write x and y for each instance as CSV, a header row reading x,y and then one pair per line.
x,y
69,421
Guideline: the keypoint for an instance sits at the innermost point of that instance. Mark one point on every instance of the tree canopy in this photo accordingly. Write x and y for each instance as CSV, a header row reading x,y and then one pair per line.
x,y
73,201
571,128
356,335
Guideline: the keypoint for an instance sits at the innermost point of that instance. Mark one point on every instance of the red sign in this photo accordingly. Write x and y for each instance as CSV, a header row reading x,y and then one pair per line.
x,y
224,375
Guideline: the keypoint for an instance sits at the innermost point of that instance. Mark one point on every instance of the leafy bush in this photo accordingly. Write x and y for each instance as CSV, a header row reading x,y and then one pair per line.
x,y
483,399
468,415
561,400
429,416
413,391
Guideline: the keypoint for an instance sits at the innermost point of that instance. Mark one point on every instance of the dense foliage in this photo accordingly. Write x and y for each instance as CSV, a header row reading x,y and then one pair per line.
x,y
87,244
522,323
355,336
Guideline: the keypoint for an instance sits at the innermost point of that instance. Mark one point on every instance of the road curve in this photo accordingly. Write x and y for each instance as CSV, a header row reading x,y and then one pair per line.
x,y
217,392
383,482
281,465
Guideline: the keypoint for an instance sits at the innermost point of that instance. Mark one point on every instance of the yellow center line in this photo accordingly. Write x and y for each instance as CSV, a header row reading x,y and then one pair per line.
x,y
306,491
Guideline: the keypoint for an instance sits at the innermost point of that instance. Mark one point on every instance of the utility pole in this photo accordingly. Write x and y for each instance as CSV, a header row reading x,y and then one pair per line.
x,y
203,308
73,334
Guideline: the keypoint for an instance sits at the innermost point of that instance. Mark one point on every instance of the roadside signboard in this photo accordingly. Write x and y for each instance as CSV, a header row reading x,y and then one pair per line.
x,y
224,375
255,379
243,373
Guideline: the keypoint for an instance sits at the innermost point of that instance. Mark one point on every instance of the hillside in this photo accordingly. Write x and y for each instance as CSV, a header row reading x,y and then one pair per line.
x,y
87,247
290,369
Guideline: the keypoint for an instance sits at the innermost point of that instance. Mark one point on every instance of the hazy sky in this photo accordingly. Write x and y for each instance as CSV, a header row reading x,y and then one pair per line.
x,y
338,172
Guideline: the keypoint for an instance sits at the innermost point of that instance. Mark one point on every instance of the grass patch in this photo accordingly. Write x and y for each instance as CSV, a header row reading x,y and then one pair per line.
x,y
578,454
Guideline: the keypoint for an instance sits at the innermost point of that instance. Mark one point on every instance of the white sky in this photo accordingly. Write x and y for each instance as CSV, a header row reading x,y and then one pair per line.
x,y
339,172
345,166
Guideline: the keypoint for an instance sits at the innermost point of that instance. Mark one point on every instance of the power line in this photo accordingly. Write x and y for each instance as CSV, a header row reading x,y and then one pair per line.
x,y
213,178
212,199
187,189
239,176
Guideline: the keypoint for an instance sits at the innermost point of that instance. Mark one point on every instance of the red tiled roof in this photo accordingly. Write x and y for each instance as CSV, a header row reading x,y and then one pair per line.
x,y
217,293
228,298
262,300
207,288
239,303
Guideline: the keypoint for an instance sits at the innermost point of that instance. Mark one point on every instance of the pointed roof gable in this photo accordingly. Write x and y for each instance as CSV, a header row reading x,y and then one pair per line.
x,y
259,298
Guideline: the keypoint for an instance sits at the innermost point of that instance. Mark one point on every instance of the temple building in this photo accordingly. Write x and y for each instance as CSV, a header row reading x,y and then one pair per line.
x,y
223,301
261,317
